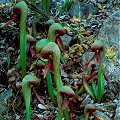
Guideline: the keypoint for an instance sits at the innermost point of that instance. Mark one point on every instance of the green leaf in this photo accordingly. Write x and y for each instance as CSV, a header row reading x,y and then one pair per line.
x,y
50,87
94,87
88,89
101,82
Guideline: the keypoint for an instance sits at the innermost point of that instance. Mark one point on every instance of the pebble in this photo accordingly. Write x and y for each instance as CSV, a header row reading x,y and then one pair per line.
x,y
4,1
101,1
41,106
102,115
117,115
87,100
10,72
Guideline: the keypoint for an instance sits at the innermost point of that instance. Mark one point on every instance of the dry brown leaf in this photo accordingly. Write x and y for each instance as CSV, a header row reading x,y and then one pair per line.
x,y
76,20
76,75
87,33
110,53
85,46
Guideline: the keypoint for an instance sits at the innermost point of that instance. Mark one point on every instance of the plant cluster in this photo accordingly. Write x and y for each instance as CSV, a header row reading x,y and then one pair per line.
x,y
48,53
97,90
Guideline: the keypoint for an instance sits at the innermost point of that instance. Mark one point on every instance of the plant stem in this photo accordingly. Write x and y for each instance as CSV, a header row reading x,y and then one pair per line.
x,y
101,77
34,20
51,46
40,11
27,82
45,5
22,6
50,88
80,90
66,114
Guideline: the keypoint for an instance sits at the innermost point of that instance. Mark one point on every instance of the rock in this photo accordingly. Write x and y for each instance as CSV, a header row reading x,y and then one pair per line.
x,y
3,97
117,114
10,72
105,110
82,9
115,16
40,106
94,25
17,117
66,40
87,100
38,116
113,90
102,115
110,35
4,1
113,70
101,1
109,4
64,17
